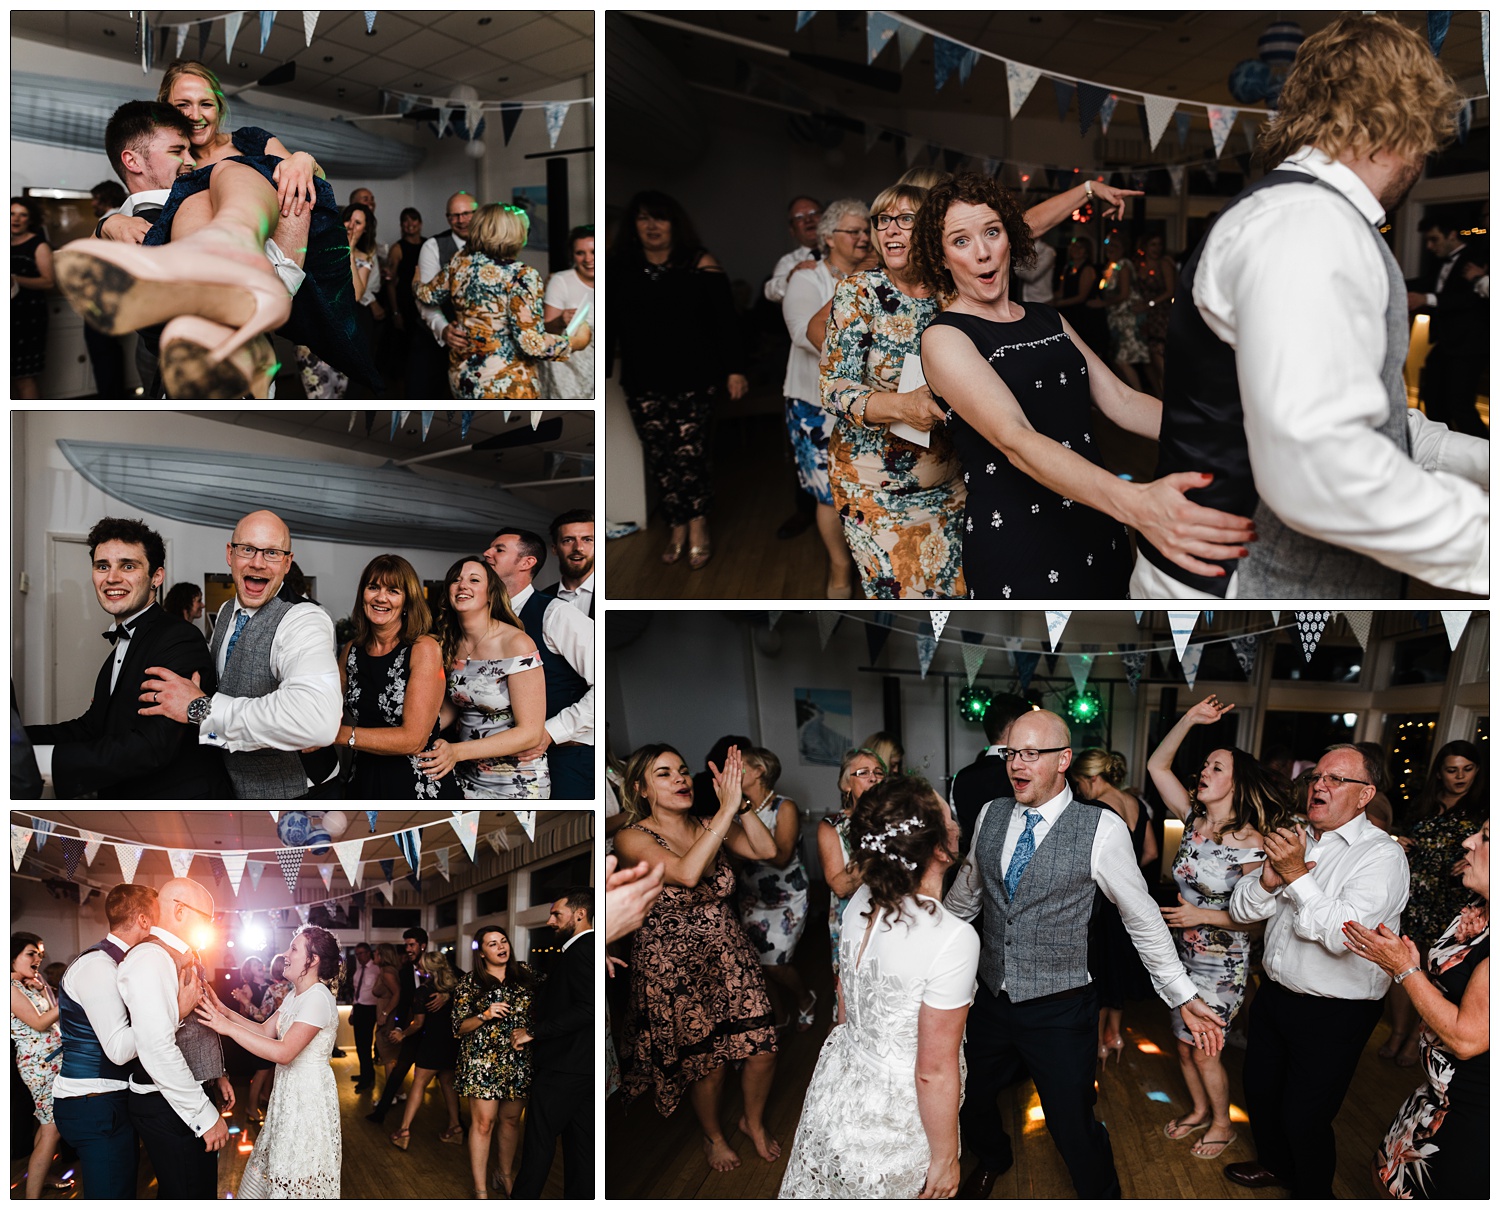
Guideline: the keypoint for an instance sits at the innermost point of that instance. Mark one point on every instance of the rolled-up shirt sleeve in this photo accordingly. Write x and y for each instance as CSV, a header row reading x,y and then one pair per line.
x,y
304,709
966,896
148,986
570,634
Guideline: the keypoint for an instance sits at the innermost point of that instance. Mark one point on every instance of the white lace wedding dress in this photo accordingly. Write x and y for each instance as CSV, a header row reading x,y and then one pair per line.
x,y
300,1151
861,1135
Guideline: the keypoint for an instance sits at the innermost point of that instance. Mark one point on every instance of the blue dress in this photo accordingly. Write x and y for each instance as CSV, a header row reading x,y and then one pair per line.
x,y
323,310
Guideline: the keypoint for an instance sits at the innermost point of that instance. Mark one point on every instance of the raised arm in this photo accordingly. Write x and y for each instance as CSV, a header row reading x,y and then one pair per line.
x,y
1173,794
1042,217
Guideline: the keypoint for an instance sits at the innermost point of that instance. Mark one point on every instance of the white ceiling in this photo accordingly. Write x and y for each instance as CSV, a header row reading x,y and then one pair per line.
x,y
504,55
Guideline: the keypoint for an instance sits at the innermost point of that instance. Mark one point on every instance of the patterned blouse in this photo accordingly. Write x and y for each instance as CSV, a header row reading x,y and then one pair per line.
x,y
499,304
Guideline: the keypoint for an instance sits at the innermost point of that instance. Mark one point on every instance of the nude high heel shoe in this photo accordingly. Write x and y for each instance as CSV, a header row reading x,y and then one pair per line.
x,y
190,368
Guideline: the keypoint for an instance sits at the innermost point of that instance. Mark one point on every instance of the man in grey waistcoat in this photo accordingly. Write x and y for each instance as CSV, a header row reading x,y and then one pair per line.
x,y
1038,863
1288,340
278,674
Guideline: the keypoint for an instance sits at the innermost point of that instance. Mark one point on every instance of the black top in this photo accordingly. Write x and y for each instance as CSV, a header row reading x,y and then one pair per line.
x,y
375,696
973,786
674,327
1022,540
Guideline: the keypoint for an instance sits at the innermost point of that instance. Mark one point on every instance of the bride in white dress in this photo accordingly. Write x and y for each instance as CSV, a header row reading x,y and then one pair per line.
x,y
880,1119
299,1153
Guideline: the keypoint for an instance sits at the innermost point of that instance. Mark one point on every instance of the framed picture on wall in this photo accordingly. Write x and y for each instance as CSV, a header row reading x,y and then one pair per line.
x,y
825,723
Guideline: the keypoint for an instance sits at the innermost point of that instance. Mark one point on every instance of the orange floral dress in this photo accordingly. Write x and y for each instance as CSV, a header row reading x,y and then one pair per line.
x,y
698,998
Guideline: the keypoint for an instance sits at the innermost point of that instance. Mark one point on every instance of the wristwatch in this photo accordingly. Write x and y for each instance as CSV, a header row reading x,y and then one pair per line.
x,y
200,708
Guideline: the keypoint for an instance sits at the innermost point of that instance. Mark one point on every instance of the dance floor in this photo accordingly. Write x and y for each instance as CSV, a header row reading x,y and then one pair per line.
x,y
647,1157
373,1168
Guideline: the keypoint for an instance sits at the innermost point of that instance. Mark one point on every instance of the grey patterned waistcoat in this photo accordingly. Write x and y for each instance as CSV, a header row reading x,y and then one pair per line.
x,y
264,773
1037,944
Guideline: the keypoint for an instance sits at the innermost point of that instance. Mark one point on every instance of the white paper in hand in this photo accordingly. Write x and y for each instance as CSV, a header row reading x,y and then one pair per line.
x,y
911,378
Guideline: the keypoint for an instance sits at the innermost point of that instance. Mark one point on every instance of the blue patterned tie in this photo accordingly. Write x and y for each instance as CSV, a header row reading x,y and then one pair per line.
x,y
1025,850
239,626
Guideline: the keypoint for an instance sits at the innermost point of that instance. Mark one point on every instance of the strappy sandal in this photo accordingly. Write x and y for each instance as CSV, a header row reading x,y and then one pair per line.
x,y
454,1134
698,556
401,1139
190,369
806,1016
672,553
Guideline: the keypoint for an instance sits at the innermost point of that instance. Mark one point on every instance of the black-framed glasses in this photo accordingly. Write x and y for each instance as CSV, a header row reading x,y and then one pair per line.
x,y
1028,756
1336,780
245,551
857,231
881,221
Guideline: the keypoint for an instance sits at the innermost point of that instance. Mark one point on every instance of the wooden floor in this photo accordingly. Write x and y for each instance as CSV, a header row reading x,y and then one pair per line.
x,y
373,1168
753,495
647,1157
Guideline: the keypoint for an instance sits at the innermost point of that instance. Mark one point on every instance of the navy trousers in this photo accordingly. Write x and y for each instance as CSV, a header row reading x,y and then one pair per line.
x,y
99,1129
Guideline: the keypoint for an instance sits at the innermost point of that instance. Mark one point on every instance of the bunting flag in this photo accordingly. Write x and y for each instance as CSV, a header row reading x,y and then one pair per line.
x,y
1064,92
275,816
325,872
203,31
926,649
1026,662
1139,614
442,862
973,652
939,620
372,816
879,30
1454,620
1438,21
1079,663
1220,123
370,20
948,57
303,912
231,32
908,38
466,828
1245,648
499,841
290,861
72,850
1276,616
92,841
1177,172
267,19
1091,100
309,23
1191,658
510,114
347,851
877,631
1107,112
1184,124
1182,622
1359,622
182,33
234,868
416,882
216,868
1057,619
556,113
1310,624
990,166
827,624
41,828
20,838
1158,111
427,416
1465,120
527,820
388,867
388,890
1020,80
465,419
772,617
445,115
181,860
410,844
803,17
1135,664
256,869
130,859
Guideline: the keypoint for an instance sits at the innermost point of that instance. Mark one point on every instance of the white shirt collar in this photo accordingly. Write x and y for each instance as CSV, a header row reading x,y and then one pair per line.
x,y
1053,807
146,197
1343,178
113,940
994,749
1351,832
172,940
574,938
586,586
519,599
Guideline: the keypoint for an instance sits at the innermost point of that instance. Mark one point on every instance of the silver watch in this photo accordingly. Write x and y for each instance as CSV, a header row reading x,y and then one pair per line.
x,y
199,709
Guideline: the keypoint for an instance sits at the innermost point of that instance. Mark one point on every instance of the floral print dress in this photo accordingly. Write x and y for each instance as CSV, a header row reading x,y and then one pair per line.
x,y
902,506
697,997
1438,1145
499,304
375,696
488,1067
1217,959
478,689
773,899
836,904
38,1053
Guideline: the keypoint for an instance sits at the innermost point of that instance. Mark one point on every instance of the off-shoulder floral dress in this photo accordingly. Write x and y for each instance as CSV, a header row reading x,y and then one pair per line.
x,y
697,998
499,304
1217,959
38,1052
902,506
479,691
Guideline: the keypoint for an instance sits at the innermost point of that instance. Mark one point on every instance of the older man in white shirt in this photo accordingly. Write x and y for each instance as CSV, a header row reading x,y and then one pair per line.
x,y
1316,1009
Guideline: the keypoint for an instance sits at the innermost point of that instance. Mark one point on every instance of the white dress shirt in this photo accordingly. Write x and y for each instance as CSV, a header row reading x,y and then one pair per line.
x,y
1037,280
428,265
570,634
122,646
148,982
91,982
573,938
1113,867
804,296
776,284
1361,874
1291,279
305,708
365,979
581,598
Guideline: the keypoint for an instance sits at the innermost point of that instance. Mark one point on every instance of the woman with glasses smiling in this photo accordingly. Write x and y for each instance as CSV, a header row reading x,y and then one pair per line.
x,y
859,770
1225,816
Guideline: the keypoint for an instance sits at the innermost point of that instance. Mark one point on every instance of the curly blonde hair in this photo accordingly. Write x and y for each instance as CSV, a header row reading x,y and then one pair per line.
x,y
1363,84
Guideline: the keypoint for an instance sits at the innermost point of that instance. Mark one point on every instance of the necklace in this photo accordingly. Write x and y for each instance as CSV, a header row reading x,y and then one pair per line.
x,y
769,796
473,645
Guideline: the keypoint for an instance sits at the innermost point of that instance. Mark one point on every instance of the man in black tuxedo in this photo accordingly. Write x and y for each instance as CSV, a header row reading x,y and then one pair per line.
x,y
409,1039
112,749
562,1058
986,779
1458,364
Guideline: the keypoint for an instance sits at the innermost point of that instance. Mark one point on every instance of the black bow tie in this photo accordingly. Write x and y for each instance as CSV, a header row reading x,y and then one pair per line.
x,y
120,631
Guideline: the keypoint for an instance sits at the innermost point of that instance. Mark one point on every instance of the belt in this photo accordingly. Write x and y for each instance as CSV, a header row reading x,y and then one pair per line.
x,y
572,743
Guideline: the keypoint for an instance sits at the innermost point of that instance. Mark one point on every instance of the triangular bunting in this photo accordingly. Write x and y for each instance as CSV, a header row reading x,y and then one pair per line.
x,y
1139,614
1184,124
948,57
1135,664
234,866
499,841
1438,21
1158,111
92,841
527,820
304,910
1057,620
371,816
182,33
556,113
325,872
42,828
1359,622
466,828
410,844
803,17
1220,123
1310,625
388,867
1026,662
879,30
1191,658
181,860
290,861
1079,663
130,860
827,624
1020,80
1245,648
1182,622
926,649
1454,621
370,20
1063,89
309,23
510,114
347,851
908,38
267,20
216,868
231,32
20,838
1091,100
72,850
877,631
939,620
387,889
1107,112
1177,173
441,856
974,652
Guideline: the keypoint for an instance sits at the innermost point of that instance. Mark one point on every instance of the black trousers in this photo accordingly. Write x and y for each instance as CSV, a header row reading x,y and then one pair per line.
x,y
561,1106
184,1167
1451,381
99,1129
572,769
1299,1062
362,1021
1056,1042
107,360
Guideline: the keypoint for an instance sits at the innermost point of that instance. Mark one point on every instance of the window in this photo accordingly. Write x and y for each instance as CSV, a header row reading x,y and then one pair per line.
x,y
1304,734
1408,738
550,883
1421,661
492,901
1332,662
447,913
396,918
542,948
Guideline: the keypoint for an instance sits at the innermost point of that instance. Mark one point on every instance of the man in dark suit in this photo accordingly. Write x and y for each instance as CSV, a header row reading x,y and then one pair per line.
x,y
986,779
562,1058
1458,364
112,749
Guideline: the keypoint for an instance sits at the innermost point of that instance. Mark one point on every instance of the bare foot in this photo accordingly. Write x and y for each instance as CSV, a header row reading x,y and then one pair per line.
x,y
721,1156
765,1146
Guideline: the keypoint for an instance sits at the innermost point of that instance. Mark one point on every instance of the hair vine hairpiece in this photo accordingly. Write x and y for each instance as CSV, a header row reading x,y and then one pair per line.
x,y
877,842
